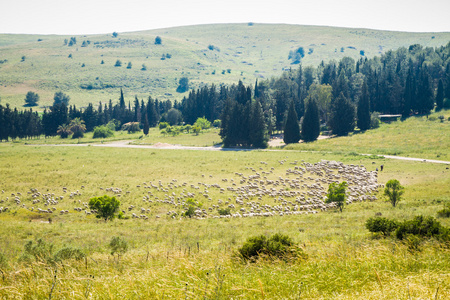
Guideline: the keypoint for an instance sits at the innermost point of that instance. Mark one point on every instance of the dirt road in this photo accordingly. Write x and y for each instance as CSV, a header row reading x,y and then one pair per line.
x,y
126,144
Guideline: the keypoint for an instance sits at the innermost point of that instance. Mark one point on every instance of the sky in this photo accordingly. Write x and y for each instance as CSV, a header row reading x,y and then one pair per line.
x,y
75,17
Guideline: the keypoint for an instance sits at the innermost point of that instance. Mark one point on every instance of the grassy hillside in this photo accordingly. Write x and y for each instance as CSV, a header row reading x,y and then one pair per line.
x,y
239,52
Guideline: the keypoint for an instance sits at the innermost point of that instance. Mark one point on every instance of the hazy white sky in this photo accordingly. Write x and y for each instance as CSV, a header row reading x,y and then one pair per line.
x,y
100,16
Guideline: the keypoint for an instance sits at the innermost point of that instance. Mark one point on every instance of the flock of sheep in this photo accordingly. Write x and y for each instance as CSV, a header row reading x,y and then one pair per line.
x,y
262,192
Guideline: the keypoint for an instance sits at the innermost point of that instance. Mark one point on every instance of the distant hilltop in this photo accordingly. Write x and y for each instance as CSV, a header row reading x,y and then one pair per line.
x,y
92,68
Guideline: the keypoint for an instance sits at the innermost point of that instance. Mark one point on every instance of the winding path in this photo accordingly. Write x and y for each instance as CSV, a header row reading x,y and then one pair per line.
x,y
126,144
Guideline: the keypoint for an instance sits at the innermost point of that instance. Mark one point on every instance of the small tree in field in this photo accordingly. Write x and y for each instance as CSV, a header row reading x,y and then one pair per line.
x,y
105,206
336,193
394,191
118,245
31,99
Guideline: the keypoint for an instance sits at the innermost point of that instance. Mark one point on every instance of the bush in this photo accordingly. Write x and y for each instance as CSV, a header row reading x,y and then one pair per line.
x,y
224,211
277,246
380,224
102,132
69,253
131,127
445,212
374,120
217,123
421,226
118,245
41,251
163,125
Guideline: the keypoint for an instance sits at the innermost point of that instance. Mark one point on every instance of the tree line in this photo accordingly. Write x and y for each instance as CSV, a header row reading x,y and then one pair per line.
x,y
334,96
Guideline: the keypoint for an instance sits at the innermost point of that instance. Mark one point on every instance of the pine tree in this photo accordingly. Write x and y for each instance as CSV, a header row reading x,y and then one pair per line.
x,y
363,110
440,95
311,122
291,128
342,119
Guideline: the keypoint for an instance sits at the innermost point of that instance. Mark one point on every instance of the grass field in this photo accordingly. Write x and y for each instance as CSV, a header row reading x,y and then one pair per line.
x,y
248,52
194,259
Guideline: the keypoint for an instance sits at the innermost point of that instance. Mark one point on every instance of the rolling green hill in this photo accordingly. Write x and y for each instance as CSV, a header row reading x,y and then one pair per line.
x,y
222,53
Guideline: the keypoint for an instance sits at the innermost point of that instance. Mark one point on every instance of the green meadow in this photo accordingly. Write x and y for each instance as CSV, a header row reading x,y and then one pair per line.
x,y
170,256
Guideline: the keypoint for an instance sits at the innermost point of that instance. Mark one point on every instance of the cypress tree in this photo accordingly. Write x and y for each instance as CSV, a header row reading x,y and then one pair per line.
x,y
311,122
363,110
146,124
440,95
291,128
342,119
257,127
408,97
424,92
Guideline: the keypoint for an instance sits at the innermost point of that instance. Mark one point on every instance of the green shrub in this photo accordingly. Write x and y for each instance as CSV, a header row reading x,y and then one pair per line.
x,y
118,245
131,127
41,251
445,212
380,224
102,132
224,211
69,253
163,125
277,246
421,226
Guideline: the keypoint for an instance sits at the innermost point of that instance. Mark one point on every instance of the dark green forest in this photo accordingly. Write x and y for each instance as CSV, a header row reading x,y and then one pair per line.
x,y
407,81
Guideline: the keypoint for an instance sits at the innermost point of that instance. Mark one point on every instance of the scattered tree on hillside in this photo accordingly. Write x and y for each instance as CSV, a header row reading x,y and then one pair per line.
x,y
115,34
129,66
291,128
183,85
60,97
311,122
158,40
118,63
31,99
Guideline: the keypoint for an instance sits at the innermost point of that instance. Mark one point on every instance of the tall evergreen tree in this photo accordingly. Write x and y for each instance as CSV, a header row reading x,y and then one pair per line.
x,y
311,122
424,92
146,124
342,119
121,100
409,95
291,127
257,127
363,109
440,95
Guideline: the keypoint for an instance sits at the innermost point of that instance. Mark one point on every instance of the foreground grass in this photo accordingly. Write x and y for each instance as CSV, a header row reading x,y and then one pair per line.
x,y
402,138
193,259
